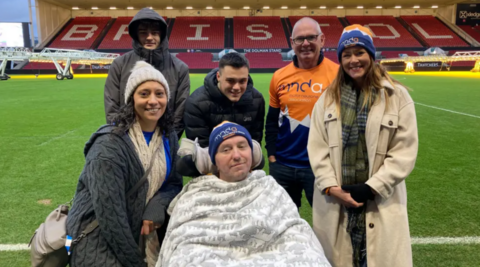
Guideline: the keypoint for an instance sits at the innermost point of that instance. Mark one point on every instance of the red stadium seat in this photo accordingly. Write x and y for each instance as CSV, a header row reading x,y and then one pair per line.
x,y
81,33
461,63
198,33
433,31
118,37
330,25
396,54
332,55
44,66
387,31
198,60
258,32
472,31
266,60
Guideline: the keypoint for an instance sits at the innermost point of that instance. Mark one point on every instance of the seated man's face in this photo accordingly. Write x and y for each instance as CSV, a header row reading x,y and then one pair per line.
x,y
234,159
149,35
233,82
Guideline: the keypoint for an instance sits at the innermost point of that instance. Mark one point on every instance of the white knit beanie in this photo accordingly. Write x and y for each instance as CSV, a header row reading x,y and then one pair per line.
x,y
143,72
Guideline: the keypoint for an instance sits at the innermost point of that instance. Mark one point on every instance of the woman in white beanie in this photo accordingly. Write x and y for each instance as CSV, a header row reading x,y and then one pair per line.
x,y
141,143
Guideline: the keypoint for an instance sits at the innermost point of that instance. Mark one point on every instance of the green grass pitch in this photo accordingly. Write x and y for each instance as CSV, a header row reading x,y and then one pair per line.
x,y
45,123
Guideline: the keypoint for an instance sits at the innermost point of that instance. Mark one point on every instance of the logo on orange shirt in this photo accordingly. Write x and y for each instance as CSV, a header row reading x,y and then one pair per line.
x,y
315,88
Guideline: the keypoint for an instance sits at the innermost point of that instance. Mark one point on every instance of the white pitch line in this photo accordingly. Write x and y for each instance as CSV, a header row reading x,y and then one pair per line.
x,y
446,240
466,240
56,138
13,247
448,110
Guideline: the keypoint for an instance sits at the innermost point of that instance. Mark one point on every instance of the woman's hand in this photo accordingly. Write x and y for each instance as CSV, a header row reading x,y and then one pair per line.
x,y
344,197
360,192
148,227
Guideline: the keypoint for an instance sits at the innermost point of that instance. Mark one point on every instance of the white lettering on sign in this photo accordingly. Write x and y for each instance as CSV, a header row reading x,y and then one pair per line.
x,y
250,28
392,30
466,14
74,30
323,25
198,32
428,36
431,65
122,31
263,50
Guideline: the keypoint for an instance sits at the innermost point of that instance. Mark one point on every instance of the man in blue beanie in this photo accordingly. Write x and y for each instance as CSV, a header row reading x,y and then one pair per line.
x,y
231,150
204,161
236,216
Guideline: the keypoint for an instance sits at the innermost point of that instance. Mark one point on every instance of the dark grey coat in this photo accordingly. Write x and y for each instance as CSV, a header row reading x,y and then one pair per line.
x,y
112,168
174,70
207,107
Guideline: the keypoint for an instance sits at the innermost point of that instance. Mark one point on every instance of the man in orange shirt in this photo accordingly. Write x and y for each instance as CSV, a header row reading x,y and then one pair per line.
x,y
294,90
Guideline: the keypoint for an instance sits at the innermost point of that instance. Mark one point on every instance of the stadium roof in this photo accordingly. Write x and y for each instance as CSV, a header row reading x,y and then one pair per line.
x,y
252,4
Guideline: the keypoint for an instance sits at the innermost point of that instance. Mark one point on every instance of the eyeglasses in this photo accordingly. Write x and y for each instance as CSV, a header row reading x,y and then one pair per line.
x,y
301,40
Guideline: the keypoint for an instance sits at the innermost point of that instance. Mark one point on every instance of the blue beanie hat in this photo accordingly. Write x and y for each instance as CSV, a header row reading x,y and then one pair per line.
x,y
222,132
356,35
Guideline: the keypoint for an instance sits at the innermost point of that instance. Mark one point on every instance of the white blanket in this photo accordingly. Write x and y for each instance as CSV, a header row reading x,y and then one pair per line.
x,y
249,223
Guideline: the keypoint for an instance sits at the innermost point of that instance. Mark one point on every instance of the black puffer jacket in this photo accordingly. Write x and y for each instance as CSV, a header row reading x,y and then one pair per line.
x,y
174,70
207,107
112,168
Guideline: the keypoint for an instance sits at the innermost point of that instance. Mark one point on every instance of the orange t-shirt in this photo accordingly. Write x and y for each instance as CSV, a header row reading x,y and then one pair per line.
x,y
295,91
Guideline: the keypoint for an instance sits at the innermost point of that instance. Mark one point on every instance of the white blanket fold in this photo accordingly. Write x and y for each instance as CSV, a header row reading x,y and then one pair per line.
x,y
249,223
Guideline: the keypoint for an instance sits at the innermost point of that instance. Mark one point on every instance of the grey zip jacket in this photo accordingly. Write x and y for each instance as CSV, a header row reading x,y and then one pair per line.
x,y
174,70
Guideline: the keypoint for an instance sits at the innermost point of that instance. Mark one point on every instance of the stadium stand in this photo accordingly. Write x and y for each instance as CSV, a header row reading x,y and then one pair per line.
x,y
198,60
330,25
460,63
198,33
387,31
44,66
434,32
463,63
396,54
266,60
118,37
81,33
474,32
332,55
258,32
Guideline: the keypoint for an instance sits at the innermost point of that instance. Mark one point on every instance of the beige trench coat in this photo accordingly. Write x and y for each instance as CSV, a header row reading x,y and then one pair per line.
x,y
392,144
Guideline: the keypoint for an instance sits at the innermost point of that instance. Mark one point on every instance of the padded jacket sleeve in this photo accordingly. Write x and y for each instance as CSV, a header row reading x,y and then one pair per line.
x,y
107,189
112,91
183,91
195,124
271,130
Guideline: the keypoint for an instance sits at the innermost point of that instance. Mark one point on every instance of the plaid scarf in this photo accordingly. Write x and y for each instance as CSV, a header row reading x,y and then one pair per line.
x,y
355,162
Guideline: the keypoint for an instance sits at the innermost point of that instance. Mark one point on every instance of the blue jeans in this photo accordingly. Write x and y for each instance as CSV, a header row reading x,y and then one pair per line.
x,y
294,181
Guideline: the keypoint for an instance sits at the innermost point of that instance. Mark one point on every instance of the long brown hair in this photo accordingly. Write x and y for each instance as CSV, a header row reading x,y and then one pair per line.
x,y
373,82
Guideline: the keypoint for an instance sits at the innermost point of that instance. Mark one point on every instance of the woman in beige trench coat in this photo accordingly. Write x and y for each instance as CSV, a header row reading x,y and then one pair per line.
x,y
362,145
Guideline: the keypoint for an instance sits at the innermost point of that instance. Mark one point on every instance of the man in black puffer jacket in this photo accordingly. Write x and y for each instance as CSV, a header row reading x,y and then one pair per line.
x,y
227,95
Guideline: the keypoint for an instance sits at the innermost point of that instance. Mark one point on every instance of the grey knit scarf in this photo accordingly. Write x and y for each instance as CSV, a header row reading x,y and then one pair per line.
x,y
355,162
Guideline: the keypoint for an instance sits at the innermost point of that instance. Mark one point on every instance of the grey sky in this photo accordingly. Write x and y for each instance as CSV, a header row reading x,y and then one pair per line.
x,y
17,11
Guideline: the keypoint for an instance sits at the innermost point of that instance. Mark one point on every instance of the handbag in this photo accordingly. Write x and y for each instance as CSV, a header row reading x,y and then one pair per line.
x,y
48,243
